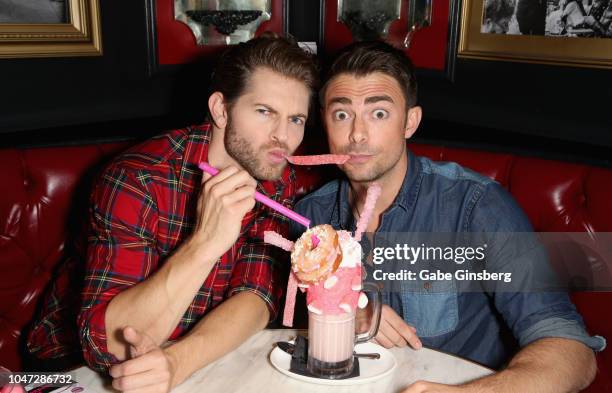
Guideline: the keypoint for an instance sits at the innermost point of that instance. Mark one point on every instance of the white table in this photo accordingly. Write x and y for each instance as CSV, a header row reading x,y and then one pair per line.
x,y
248,369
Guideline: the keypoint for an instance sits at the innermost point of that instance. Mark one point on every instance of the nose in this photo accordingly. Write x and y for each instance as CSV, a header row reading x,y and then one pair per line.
x,y
359,132
280,132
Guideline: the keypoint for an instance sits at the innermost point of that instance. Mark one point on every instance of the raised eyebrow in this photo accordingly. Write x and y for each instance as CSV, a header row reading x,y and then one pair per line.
x,y
340,100
375,99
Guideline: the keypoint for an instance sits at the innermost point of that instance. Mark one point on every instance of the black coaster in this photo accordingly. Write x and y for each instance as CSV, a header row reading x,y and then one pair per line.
x,y
299,360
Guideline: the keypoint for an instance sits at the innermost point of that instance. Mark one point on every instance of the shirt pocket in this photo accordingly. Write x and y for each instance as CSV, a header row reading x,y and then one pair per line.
x,y
430,306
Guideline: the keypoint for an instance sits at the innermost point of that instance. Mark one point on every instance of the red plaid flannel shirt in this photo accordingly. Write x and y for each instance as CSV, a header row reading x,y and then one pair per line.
x,y
143,207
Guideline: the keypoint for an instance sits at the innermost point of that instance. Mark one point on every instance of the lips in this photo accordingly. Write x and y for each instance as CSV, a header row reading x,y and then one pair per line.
x,y
359,158
277,156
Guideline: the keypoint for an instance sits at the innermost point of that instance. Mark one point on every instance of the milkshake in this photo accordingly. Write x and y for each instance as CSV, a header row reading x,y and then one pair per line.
x,y
332,304
326,264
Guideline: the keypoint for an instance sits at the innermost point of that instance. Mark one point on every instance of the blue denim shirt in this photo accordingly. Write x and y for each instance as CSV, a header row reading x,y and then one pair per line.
x,y
486,326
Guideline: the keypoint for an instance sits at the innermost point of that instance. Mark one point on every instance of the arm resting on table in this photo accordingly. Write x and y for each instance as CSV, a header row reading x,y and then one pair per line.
x,y
219,332
555,365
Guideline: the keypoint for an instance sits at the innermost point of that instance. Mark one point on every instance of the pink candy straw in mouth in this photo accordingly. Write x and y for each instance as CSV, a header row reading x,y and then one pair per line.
x,y
322,159
372,195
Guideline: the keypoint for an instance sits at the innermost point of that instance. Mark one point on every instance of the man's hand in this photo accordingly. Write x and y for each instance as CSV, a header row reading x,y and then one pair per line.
x,y
150,369
223,202
395,332
430,387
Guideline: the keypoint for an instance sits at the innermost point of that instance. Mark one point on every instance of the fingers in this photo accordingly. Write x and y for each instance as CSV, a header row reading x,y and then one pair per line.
x,y
223,174
392,335
132,336
228,180
233,189
131,367
401,328
383,340
141,380
140,343
239,195
135,339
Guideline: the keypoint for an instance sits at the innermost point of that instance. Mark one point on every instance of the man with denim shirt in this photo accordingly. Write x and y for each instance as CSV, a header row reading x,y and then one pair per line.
x,y
369,109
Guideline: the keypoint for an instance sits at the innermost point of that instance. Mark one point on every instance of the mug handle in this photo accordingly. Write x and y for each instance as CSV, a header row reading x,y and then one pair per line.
x,y
370,334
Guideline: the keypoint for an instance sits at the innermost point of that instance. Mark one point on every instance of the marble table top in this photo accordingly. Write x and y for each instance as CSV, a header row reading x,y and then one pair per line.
x,y
248,369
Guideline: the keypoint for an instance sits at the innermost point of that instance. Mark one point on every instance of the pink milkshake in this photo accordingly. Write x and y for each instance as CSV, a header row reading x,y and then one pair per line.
x,y
331,314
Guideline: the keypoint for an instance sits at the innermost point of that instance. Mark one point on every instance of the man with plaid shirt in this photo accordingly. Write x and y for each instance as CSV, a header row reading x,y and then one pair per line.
x,y
177,272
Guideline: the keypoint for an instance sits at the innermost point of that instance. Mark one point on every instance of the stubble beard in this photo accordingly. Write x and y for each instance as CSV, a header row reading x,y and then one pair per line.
x,y
243,153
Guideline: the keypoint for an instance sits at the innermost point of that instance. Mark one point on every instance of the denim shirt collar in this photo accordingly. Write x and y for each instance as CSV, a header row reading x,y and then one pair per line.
x,y
405,199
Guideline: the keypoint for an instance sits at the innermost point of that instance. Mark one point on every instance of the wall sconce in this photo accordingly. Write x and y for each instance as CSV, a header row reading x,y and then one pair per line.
x,y
222,22
370,20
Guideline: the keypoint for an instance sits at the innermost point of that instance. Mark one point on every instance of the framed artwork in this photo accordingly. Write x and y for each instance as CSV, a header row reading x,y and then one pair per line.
x,y
50,28
557,32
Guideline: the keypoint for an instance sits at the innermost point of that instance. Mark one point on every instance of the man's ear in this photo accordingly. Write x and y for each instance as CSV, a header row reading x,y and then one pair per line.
x,y
217,109
412,122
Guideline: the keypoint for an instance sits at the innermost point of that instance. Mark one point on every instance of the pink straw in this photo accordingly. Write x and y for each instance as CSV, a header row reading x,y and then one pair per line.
x,y
264,199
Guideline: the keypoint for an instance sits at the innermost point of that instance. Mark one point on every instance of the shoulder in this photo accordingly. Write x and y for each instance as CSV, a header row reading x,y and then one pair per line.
x,y
452,172
487,205
156,150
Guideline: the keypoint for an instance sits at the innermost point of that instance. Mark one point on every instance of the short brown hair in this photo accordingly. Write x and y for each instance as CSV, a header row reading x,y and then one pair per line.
x,y
367,57
279,54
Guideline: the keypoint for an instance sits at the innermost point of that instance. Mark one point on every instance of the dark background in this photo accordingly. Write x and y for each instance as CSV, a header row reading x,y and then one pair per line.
x,y
550,111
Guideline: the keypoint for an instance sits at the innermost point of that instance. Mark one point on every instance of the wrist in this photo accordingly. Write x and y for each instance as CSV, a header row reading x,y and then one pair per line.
x,y
198,249
173,367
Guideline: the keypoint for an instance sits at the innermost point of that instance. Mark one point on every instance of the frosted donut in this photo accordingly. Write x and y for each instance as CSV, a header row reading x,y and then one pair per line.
x,y
316,254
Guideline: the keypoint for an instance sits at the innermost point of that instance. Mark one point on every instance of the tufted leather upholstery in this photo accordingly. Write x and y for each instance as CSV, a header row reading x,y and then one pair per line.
x,y
41,188
38,191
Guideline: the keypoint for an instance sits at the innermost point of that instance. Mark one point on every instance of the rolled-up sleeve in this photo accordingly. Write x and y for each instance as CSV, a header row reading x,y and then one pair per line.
x,y
533,316
534,306
120,254
256,271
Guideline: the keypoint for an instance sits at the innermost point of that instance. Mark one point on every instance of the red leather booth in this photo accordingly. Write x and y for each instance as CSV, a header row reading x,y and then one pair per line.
x,y
41,189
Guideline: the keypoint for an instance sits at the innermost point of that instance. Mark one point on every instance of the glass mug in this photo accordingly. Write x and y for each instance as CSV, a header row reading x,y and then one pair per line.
x,y
332,338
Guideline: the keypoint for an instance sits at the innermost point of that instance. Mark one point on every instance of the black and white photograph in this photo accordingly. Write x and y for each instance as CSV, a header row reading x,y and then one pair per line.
x,y
33,11
556,18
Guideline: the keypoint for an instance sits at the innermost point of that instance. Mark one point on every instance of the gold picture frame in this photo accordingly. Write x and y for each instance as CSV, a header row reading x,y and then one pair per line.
x,y
567,51
81,36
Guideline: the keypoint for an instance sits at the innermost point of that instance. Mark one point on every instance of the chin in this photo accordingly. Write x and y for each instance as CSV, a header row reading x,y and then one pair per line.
x,y
270,173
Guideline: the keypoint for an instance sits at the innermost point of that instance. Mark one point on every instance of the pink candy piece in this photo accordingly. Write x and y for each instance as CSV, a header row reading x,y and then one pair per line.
x,y
374,191
292,286
328,300
322,159
276,239
315,241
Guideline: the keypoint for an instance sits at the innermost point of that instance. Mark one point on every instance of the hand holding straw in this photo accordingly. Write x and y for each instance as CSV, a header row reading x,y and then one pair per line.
x,y
264,199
